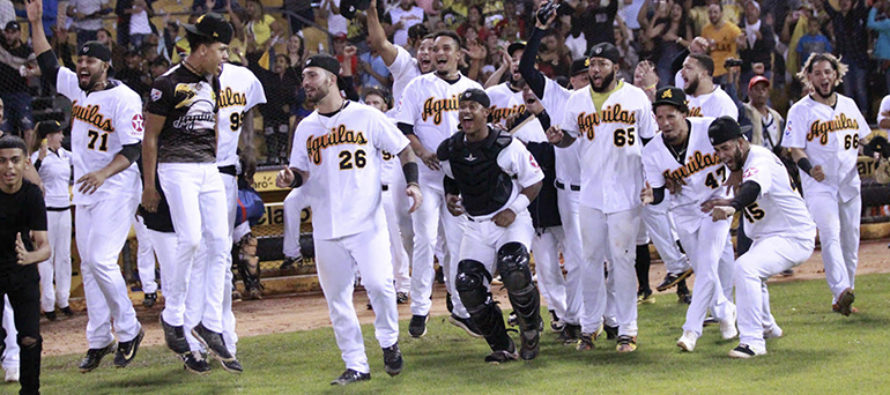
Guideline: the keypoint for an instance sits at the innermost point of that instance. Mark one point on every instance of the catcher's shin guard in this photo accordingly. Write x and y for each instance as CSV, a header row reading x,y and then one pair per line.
x,y
517,277
484,312
249,266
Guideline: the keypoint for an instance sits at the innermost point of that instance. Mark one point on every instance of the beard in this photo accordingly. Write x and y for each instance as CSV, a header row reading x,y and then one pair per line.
x,y
825,96
736,160
318,94
94,79
607,80
691,87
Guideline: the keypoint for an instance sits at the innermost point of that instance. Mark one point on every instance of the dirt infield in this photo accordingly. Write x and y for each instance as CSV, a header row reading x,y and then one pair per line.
x,y
288,313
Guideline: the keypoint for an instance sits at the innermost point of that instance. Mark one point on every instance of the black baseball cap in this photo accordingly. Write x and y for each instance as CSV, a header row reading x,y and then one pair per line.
x,y
724,129
519,45
671,95
477,95
46,128
324,61
579,66
97,50
604,50
13,25
211,25
348,8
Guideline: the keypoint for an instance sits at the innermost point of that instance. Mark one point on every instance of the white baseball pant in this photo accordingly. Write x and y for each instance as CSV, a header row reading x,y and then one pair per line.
x,y
145,258
765,258
58,266
426,224
610,316
11,353
572,253
706,248
483,239
659,227
613,237
336,261
293,205
102,228
198,301
838,224
396,205
551,282
196,196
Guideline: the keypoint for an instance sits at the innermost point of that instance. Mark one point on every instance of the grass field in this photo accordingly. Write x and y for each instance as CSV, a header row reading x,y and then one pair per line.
x,y
822,352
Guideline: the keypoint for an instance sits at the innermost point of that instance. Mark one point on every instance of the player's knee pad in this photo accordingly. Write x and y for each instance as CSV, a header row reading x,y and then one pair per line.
x,y
470,283
516,275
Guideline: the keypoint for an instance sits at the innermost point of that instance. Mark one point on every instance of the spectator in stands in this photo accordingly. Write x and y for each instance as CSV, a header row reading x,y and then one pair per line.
x,y
624,43
553,56
133,23
416,34
879,21
133,73
87,17
723,37
756,47
299,13
259,24
158,67
296,52
574,37
512,17
337,24
851,44
669,33
50,16
766,123
280,85
397,21
17,62
812,42
596,21
118,52
476,21
374,70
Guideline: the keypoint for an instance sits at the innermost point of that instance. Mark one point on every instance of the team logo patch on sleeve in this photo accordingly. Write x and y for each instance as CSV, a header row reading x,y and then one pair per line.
x,y
155,94
750,173
138,123
531,159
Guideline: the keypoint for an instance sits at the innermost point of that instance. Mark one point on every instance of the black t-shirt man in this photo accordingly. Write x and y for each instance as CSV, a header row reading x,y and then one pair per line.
x,y
20,213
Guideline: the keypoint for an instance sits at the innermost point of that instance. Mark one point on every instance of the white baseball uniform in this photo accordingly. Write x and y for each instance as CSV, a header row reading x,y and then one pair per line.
x,y
102,123
397,207
830,138
55,173
505,102
404,69
611,179
293,206
341,153
430,105
568,185
783,235
883,109
714,105
145,257
707,243
240,91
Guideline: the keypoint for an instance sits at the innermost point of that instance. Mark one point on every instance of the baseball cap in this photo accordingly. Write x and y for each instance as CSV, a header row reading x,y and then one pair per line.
x,y
12,25
96,50
724,129
46,128
604,50
348,8
579,66
324,61
477,95
757,79
519,45
341,36
671,95
211,25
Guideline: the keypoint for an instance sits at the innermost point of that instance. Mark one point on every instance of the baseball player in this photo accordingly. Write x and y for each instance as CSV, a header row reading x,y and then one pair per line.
x,y
53,163
706,99
609,121
336,153
823,132
506,97
145,261
395,206
492,178
681,160
292,208
778,222
180,150
240,91
403,67
568,181
106,132
428,115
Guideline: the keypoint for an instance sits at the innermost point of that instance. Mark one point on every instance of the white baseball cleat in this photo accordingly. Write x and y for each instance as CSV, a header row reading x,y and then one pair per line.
x,y
687,341
12,375
727,327
744,351
773,333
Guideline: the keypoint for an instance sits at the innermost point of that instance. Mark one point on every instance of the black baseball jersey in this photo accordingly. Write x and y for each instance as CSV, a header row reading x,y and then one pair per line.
x,y
189,102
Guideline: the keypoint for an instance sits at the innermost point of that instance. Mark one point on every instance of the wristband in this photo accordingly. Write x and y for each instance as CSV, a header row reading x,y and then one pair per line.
x,y
410,171
521,203
805,165
298,180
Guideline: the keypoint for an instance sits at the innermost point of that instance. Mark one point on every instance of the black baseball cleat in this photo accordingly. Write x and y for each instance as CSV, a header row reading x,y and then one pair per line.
x,y
213,342
351,376
671,279
611,332
175,337
291,263
51,315
94,357
126,351
392,360
417,326
66,311
233,366
150,300
684,297
570,334
501,356
402,297
195,363
845,301
530,339
556,324
466,324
